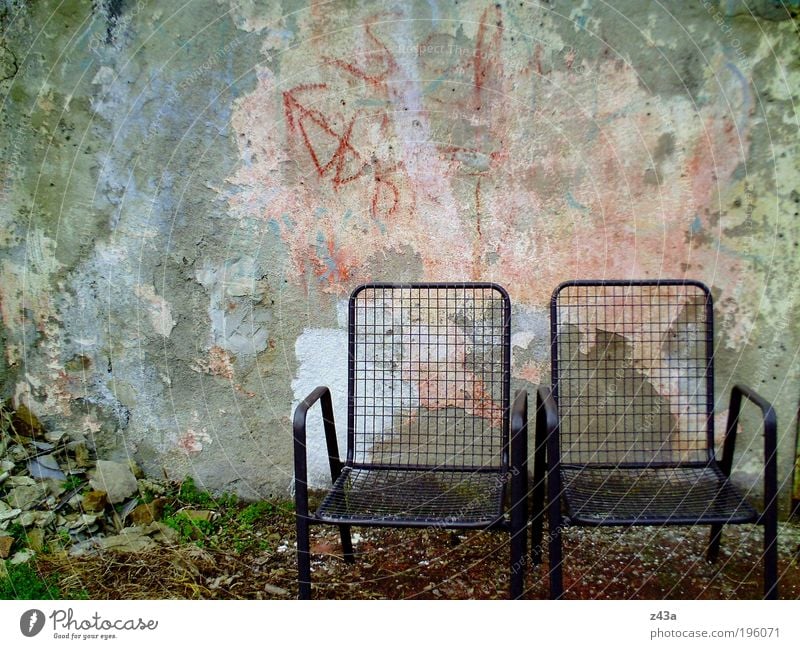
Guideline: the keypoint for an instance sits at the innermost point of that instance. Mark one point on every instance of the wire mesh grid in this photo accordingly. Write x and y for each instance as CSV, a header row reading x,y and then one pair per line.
x,y
424,497
429,376
632,370
667,494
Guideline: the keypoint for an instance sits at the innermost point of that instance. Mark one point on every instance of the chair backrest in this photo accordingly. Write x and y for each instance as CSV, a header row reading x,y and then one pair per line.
x,y
632,372
429,376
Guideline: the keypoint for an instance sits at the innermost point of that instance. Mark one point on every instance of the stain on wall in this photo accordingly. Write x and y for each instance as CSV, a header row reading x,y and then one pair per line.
x,y
189,194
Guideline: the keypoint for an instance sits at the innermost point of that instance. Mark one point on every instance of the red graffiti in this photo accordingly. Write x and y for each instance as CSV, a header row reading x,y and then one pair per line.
x,y
487,50
386,196
379,63
343,156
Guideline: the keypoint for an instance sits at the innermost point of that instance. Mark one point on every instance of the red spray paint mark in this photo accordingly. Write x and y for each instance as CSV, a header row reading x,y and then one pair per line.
x,y
477,244
385,192
383,59
487,50
296,113
537,59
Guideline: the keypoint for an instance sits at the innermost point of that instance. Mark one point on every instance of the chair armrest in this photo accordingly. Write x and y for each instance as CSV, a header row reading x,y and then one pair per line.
x,y
547,419
519,436
770,439
323,395
547,434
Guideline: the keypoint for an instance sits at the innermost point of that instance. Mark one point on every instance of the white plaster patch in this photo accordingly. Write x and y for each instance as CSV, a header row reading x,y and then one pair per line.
x,y
157,308
250,16
342,307
522,338
322,360
105,76
237,325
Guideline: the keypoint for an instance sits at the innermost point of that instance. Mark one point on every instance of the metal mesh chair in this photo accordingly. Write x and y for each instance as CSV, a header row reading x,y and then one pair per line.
x,y
629,424
428,420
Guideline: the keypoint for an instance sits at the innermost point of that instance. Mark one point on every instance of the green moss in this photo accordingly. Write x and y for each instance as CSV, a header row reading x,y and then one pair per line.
x,y
23,582
190,494
255,511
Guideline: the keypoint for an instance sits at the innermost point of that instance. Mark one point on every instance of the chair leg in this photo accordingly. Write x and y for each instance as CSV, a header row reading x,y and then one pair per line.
x,y
556,577
519,527
713,543
518,563
539,471
347,543
771,558
303,558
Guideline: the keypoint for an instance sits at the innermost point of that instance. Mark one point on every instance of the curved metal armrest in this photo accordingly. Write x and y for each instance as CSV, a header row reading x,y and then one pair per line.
x,y
323,395
519,429
770,439
519,443
547,424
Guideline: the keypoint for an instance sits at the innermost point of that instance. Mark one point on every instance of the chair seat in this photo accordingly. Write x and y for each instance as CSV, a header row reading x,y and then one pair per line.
x,y
683,495
414,498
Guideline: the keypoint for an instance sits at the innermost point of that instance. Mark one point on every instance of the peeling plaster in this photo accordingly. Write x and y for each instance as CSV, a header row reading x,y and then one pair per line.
x,y
188,202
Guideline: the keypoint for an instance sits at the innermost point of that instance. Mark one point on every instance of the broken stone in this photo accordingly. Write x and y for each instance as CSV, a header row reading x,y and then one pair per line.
x,y
7,513
81,548
146,513
38,518
43,446
23,556
83,521
94,501
20,481
130,539
48,461
27,519
45,518
275,590
6,465
54,437
115,479
5,546
19,453
24,422
3,477
36,539
25,497
161,533
40,471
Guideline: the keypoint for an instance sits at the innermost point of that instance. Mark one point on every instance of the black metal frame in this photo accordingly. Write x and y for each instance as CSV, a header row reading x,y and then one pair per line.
x,y
512,468
548,437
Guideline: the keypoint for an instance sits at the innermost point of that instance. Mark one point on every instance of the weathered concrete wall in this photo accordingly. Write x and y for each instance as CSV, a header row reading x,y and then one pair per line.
x,y
191,191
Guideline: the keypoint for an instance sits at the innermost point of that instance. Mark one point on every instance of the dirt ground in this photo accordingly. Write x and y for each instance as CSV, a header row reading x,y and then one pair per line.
x,y
609,563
